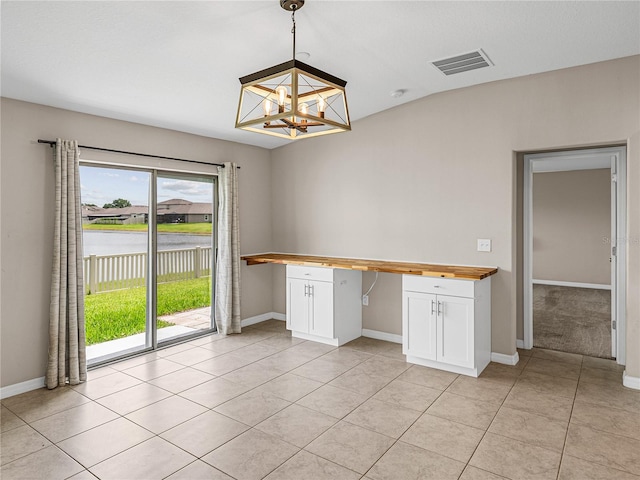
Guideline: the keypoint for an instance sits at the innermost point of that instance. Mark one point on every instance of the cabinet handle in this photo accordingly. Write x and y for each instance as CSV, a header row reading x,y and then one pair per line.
x,y
305,290
311,290
440,312
433,307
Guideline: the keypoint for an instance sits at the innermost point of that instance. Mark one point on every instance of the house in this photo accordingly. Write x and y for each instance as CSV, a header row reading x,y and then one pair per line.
x,y
125,215
420,180
178,210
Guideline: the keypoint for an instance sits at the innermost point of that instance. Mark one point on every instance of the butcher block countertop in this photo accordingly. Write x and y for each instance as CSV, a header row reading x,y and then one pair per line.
x,y
425,269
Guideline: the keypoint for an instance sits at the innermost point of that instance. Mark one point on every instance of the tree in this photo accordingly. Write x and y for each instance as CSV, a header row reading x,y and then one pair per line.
x,y
118,203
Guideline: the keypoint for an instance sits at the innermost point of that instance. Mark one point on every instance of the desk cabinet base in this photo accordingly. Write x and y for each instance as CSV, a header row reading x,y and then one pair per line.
x,y
446,323
324,304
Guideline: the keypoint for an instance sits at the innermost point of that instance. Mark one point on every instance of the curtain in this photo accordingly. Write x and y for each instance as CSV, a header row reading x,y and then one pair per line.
x,y
67,355
227,301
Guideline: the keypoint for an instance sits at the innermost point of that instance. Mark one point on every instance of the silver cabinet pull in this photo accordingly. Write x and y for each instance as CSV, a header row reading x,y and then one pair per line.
x,y
306,290
433,307
311,290
440,308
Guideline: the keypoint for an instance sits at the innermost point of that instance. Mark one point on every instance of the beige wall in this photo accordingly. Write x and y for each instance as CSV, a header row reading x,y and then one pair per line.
x,y
27,196
571,223
424,180
419,182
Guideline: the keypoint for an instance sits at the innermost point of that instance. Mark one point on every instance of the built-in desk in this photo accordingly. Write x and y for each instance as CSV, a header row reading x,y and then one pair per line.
x,y
446,309
405,268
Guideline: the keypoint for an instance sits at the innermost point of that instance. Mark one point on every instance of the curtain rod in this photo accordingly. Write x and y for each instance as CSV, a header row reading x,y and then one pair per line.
x,y
51,143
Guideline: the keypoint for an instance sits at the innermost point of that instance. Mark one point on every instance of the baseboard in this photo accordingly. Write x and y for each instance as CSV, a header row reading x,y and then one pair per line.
x,y
387,337
557,283
505,359
263,317
630,382
520,343
22,387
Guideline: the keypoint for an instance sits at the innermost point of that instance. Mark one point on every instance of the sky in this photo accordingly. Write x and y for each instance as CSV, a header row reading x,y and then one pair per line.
x,y
103,185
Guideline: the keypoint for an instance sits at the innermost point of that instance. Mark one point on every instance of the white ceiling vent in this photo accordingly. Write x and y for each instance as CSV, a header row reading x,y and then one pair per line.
x,y
463,63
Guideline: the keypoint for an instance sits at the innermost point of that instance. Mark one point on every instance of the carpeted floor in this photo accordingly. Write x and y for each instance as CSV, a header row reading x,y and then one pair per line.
x,y
575,320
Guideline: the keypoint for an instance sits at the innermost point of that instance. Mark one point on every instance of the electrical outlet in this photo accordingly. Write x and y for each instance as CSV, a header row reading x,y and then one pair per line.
x,y
365,300
484,245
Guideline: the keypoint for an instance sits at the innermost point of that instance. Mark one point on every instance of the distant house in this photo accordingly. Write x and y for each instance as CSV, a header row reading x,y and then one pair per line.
x,y
175,210
178,210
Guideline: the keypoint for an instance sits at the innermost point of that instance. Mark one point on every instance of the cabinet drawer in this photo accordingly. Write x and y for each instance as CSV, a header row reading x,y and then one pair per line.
x,y
310,273
438,286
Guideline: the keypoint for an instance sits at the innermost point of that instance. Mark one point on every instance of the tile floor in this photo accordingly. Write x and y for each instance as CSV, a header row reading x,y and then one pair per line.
x,y
265,405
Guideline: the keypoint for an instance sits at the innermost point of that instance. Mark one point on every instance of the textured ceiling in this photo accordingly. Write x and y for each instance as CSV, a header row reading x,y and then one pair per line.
x,y
176,64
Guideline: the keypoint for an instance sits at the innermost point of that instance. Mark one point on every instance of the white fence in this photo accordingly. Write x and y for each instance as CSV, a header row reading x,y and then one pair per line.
x,y
103,273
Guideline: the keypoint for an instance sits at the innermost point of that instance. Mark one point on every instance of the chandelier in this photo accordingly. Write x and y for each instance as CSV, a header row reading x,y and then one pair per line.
x,y
293,100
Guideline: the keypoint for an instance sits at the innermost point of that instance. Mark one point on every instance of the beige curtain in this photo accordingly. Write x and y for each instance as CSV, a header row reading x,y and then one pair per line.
x,y
227,301
67,355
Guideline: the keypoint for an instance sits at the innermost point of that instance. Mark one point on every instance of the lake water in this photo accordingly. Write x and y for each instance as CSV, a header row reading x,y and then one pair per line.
x,y
98,242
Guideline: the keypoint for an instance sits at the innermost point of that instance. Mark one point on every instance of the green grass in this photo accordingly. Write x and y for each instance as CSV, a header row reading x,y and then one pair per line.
x,y
118,314
191,228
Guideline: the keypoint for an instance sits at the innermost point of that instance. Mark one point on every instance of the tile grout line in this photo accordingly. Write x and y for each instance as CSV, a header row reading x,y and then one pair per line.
x,y
566,436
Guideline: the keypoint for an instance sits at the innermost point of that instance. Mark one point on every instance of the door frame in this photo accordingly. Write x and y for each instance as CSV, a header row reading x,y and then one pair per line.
x,y
151,338
613,158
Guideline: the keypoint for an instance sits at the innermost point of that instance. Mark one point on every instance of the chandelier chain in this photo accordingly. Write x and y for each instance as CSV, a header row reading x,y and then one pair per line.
x,y
293,29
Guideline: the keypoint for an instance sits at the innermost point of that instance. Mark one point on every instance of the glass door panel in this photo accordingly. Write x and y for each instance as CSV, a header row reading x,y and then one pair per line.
x,y
115,215
184,255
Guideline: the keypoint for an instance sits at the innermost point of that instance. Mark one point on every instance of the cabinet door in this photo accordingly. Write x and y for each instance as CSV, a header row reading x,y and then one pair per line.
x,y
321,309
297,305
419,325
455,330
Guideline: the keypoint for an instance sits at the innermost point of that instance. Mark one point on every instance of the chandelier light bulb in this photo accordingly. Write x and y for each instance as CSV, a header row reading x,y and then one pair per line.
x,y
266,105
322,106
304,109
282,93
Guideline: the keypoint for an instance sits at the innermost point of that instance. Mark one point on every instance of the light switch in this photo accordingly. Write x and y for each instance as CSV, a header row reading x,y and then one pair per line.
x,y
484,245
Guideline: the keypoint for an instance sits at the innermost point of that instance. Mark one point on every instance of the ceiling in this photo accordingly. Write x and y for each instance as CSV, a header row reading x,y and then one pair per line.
x,y
176,64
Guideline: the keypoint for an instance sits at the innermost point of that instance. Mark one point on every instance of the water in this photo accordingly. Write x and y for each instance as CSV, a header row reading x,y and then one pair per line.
x,y
99,242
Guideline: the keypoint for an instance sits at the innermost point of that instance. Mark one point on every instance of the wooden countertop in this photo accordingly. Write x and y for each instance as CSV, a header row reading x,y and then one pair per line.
x,y
425,269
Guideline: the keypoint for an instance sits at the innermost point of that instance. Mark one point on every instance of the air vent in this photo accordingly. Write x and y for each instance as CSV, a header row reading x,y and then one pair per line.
x,y
463,63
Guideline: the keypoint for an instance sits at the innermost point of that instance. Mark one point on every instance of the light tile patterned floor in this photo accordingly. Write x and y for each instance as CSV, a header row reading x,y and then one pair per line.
x,y
265,405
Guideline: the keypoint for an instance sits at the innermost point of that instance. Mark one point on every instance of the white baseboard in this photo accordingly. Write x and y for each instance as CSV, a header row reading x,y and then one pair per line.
x,y
22,387
520,343
557,283
630,382
263,317
387,337
505,359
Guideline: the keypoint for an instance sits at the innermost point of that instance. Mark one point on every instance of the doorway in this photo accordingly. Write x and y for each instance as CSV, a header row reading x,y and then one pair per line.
x,y
574,278
149,262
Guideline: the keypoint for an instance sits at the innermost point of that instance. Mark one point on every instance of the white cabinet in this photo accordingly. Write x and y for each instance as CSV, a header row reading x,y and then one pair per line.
x,y
446,323
324,304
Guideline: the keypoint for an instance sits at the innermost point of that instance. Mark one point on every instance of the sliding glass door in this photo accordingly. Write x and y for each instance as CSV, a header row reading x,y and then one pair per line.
x,y
184,253
148,239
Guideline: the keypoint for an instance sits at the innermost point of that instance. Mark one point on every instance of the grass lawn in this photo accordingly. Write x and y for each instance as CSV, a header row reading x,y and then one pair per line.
x,y
191,228
121,313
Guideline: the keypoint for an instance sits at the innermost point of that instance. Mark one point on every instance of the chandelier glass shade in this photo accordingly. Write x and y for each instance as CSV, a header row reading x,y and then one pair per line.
x,y
293,100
